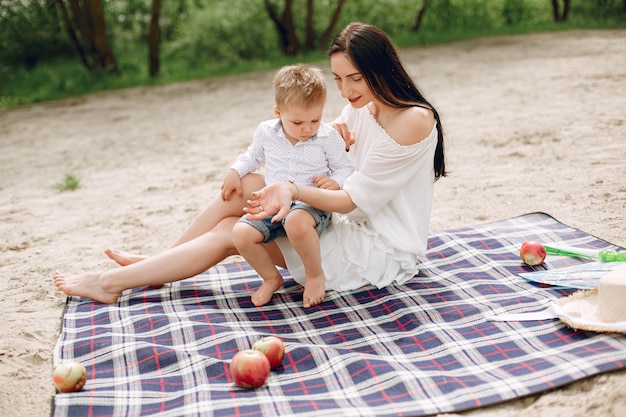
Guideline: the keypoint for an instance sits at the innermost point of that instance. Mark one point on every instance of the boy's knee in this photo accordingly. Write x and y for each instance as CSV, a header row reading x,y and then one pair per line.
x,y
298,221
244,234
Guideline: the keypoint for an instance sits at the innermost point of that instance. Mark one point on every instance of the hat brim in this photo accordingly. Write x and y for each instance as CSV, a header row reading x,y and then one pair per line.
x,y
580,311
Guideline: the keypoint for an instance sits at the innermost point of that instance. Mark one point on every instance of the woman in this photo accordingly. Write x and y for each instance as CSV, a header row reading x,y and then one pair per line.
x,y
385,204
397,156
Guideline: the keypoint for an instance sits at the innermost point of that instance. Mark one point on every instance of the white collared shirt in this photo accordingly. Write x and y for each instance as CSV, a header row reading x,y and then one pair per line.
x,y
323,154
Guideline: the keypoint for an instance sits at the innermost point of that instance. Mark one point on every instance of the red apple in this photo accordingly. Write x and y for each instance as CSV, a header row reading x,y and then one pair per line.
x,y
249,368
272,347
69,376
532,253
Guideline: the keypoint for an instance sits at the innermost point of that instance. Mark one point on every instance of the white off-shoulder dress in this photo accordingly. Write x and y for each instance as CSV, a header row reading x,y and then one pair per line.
x,y
392,186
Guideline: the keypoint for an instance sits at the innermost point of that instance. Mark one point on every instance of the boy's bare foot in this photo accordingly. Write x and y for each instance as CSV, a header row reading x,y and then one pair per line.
x,y
314,291
123,258
85,285
265,292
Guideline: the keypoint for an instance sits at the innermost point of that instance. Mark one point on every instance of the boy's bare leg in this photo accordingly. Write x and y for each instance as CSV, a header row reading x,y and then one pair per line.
x,y
204,222
300,228
248,242
183,261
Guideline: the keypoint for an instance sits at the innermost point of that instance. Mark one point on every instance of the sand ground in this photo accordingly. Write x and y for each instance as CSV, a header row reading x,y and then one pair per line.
x,y
534,123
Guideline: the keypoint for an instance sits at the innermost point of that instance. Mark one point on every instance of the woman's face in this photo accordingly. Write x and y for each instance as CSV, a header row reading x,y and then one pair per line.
x,y
350,81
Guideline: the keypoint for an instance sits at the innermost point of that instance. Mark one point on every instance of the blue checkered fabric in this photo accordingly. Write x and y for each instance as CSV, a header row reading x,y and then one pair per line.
x,y
415,349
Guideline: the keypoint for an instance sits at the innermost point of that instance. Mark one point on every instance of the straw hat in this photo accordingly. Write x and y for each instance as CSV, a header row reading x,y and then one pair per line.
x,y
599,310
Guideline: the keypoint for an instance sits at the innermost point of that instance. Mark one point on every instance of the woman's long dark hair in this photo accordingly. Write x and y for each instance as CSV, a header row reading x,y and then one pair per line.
x,y
370,50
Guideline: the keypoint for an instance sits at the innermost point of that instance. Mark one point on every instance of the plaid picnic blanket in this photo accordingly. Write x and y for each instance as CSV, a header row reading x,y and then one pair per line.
x,y
415,349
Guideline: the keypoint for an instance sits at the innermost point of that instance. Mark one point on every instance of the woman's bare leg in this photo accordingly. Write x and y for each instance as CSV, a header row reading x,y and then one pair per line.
x,y
219,209
179,262
204,222
123,258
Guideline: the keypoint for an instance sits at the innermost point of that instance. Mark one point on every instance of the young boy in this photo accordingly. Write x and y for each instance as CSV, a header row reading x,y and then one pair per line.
x,y
295,147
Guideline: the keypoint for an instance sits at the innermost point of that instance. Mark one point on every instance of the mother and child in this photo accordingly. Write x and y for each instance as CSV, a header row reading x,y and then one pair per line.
x,y
336,220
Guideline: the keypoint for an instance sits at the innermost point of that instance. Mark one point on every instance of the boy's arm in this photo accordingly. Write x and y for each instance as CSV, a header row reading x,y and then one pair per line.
x,y
253,158
247,162
325,182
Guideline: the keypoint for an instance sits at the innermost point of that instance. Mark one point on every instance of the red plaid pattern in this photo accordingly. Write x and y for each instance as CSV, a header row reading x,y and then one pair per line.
x,y
416,349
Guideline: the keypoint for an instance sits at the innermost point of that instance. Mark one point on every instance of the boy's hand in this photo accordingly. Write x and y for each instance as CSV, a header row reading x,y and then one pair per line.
x,y
325,182
230,185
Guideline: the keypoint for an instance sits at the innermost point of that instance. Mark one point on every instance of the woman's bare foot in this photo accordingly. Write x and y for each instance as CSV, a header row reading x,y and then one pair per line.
x,y
123,258
265,292
126,258
85,285
314,291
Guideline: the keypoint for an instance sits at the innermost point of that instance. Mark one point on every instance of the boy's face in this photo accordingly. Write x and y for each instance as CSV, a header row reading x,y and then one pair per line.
x,y
299,123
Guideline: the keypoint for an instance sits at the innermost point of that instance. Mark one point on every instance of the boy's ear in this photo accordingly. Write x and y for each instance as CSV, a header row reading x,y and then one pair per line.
x,y
276,112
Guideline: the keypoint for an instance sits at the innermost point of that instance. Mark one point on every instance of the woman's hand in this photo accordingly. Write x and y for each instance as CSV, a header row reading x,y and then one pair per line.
x,y
346,134
273,198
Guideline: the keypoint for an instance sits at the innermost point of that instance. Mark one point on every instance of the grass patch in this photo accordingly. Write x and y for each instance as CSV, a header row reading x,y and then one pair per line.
x,y
70,183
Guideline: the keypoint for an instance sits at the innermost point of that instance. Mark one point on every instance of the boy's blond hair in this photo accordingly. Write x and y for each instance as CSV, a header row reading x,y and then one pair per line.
x,y
299,85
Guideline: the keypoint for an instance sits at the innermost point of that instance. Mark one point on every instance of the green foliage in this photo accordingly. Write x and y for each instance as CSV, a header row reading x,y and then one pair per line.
x,y
130,19
70,183
515,12
225,34
202,38
449,16
30,33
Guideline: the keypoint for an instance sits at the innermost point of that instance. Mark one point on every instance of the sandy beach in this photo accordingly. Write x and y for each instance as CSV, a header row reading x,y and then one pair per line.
x,y
533,123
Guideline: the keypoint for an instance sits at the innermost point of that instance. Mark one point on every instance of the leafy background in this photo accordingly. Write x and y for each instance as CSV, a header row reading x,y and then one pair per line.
x,y
201,38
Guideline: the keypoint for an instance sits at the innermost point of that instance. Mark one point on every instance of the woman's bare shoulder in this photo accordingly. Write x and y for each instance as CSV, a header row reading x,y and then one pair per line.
x,y
412,125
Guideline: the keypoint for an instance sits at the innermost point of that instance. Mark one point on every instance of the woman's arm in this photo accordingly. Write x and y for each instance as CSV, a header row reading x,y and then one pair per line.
x,y
277,198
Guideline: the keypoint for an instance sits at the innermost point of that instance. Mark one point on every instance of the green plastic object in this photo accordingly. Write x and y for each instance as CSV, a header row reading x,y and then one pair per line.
x,y
605,255
609,255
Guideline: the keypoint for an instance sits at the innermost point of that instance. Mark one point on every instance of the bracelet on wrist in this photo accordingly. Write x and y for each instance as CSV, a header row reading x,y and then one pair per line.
x,y
297,188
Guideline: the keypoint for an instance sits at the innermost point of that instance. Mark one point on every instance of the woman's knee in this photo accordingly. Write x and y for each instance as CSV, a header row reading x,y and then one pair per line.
x,y
250,183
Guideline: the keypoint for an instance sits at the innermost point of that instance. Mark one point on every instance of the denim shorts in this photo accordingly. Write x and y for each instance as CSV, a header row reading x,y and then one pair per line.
x,y
271,231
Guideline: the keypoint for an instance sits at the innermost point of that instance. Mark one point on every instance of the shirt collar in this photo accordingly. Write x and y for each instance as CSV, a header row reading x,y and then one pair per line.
x,y
278,130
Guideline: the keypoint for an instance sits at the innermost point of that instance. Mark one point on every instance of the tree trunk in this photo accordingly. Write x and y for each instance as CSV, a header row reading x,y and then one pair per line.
x,y
330,30
102,53
71,33
155,39
310,33
286,29
92,46
419,17
565,15
82,26
292,46
278,24
558,15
